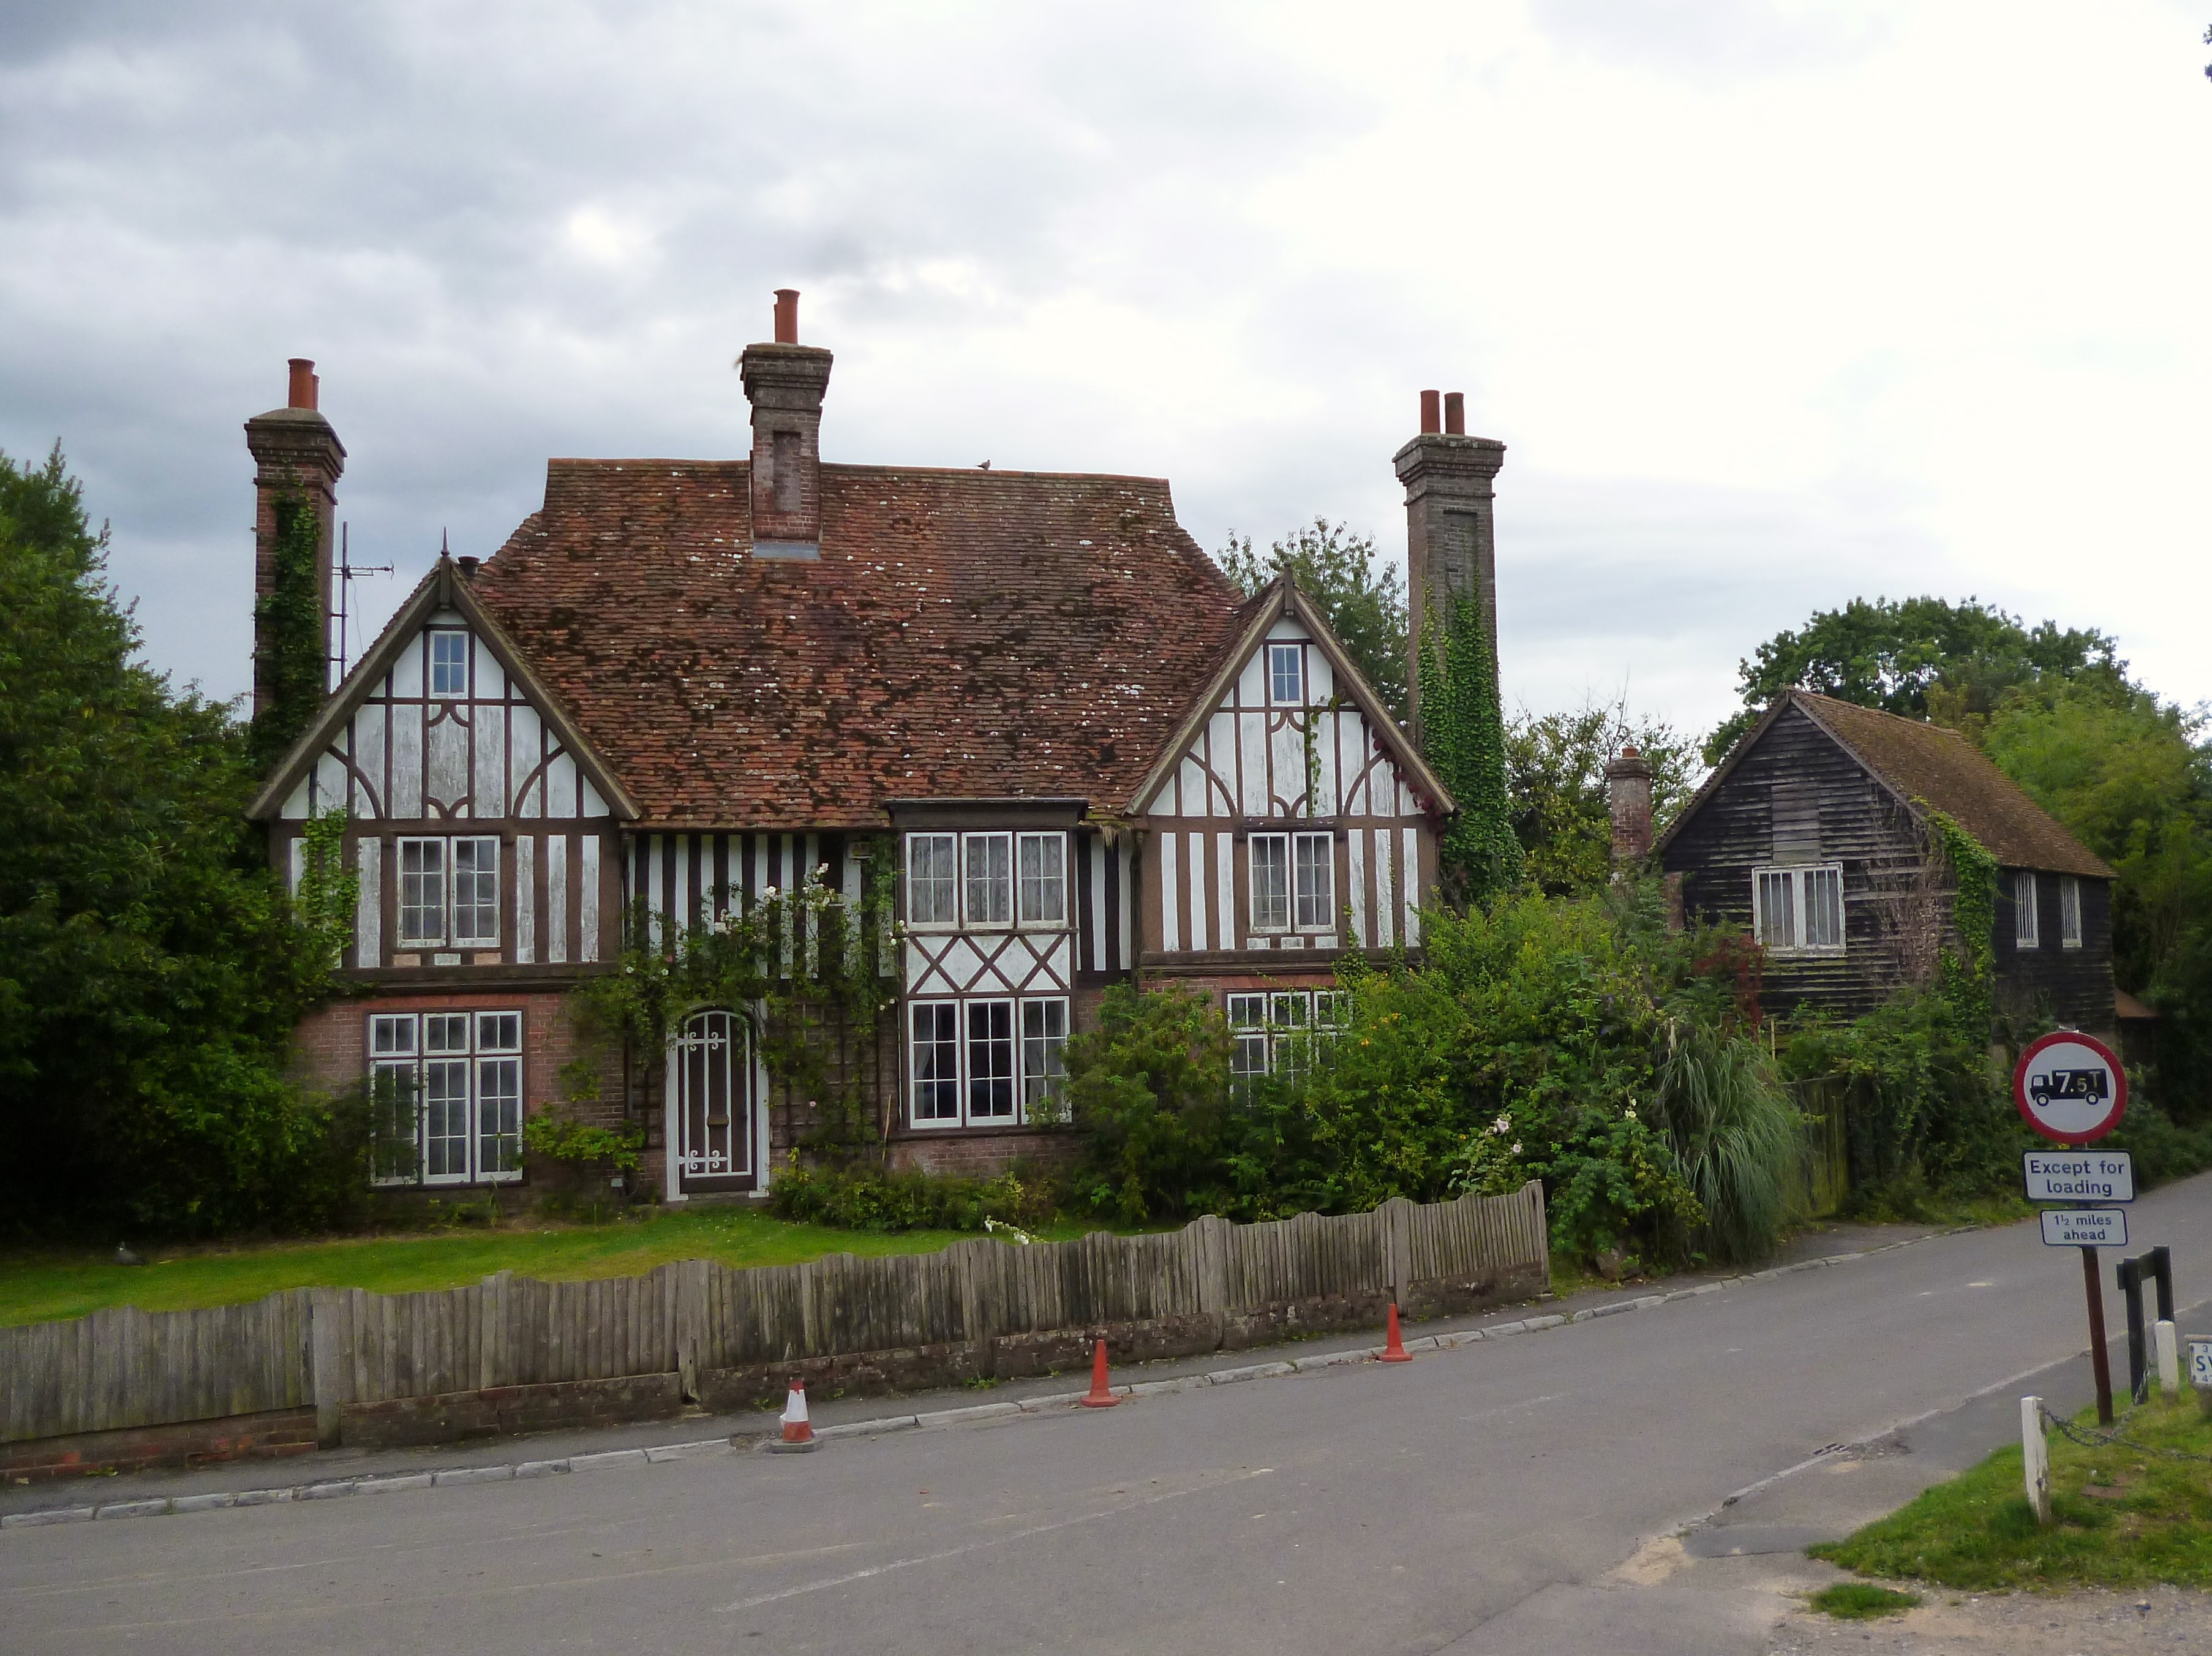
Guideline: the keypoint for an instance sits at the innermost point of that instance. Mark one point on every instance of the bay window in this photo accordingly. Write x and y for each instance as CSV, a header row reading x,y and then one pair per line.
x,y
987,880
985,1060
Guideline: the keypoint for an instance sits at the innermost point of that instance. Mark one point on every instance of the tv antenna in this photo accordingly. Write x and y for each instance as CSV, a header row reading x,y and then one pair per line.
x,y
348,572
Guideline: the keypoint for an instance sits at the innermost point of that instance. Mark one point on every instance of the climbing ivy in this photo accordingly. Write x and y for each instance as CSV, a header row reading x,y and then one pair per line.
x,y
1463,739
1967,973
288,631
330,889
789,962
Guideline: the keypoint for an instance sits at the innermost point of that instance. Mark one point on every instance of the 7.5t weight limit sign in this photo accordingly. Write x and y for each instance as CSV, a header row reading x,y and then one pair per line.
x,y
2070,1088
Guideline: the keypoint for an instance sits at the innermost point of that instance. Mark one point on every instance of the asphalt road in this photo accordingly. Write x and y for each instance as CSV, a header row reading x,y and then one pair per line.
x,y
1473,1499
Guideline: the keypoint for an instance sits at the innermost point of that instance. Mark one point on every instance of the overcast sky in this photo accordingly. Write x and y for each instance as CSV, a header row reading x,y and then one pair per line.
x,y
1774,304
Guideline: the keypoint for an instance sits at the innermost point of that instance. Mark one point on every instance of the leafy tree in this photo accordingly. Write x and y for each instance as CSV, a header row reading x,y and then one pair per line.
x,y
151,973
1555,765
1895,657
1364,599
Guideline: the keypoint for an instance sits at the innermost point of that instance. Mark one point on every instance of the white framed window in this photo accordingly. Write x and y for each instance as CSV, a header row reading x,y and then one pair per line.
x,y
932,882
1279,1031
421,891
475,891
1799,910
2025,932
1286,674
449,663
1041,861
2070,912
984,1061
934,1057
1270,856
1293,882
1044,1042
447,1092
987,877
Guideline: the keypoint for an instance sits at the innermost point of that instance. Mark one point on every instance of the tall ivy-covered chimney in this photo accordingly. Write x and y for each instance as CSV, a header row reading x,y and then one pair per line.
x,y
785,382
297,461
1450,546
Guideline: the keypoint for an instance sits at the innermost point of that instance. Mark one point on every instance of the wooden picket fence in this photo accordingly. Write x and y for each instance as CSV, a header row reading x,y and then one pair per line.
x,y
333,1347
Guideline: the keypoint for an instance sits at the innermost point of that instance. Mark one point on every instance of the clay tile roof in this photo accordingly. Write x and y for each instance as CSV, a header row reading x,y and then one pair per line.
x,y
965,635
1928,762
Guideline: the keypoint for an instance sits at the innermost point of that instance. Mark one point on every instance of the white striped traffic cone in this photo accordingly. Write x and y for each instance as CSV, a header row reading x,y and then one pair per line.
x,y
797,1428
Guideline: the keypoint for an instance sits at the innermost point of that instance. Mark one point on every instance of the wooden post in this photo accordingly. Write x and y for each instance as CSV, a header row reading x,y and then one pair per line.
x,y
2035,1458
2098,1360
692,1290
327,1358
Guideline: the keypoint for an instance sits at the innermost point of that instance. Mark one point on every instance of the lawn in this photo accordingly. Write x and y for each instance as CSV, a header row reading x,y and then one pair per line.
x,y
2123,1515
39,1286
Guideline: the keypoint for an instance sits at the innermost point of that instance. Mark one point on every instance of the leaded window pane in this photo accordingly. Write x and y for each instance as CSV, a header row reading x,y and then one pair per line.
x,y
421,891
449,664
1044,1041
1043,880
936,1061
476,891
990,879
1824,908
1314,877
990,1060
1286,675
1271,882
932,884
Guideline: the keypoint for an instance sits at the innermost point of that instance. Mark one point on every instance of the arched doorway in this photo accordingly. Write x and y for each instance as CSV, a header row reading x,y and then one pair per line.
x,y
713,1103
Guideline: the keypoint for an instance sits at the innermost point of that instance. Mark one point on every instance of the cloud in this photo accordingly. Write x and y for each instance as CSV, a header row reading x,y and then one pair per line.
x,y
1774,303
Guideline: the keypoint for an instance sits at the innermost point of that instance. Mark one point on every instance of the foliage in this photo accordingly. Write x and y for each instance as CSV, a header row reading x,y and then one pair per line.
x,y
1967,970
1861,1601
2123,1516
868,1199
151,973
1555,765
288,631
1893,655
1462,734
563,1136
1364,599
1534,1043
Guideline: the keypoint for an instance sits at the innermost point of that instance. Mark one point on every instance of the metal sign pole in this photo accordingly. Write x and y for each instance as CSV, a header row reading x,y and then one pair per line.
x,y
2093,1281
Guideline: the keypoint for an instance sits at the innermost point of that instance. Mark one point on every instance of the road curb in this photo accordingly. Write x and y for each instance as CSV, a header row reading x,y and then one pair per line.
x,y
934,1420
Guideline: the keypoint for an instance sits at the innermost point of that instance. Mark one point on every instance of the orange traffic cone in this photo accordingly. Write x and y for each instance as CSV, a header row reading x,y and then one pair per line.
x,y
797,1428
1393,1347
1102,1395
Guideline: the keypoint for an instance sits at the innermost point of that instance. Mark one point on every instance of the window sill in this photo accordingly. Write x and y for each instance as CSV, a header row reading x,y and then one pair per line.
x,y
1805,954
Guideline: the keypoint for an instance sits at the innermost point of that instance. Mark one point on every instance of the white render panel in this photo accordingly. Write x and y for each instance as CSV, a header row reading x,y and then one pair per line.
x,y
1409,845
1171,920
526,899
368,908
1224,888
371,787
524,749
556,898
1197,890
656,885
1096,919
1190,778
593,805
1385,899
561,786
488,794
1252,682
490,680
406,761
1287,631
407,671
298,869
1324,749
1126,860
1221,754
587,900
329,793
1356,849
1252,763
296,802
1347,734
1287,750
1320,678
446,782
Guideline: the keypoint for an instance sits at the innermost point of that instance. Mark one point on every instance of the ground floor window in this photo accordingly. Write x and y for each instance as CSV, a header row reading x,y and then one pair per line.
x,y
1279,1031
446,1088
984,1061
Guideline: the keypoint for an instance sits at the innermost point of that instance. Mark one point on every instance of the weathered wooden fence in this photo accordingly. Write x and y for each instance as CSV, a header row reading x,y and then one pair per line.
x,y
1823,1179
340,1350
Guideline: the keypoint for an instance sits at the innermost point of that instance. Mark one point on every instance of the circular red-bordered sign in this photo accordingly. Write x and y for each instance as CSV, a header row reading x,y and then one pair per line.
x,y
2070,1088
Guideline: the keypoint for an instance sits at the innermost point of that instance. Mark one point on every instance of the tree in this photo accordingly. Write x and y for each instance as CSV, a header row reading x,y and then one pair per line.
x,y
1555,765
1364,601
151,972
1895,657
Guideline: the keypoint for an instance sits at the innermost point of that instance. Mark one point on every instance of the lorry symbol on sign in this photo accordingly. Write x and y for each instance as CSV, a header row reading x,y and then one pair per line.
x,y
2087,1086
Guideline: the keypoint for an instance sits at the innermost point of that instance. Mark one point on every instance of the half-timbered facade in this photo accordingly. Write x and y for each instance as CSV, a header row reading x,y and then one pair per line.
x,y
1079,754
1815,836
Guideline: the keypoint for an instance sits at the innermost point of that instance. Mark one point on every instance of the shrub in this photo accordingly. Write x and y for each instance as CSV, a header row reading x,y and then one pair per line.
x,y
870,1199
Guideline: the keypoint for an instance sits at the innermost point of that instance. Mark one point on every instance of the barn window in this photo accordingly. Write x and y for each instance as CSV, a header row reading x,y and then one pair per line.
x,y
931,885
1287,677
1044,875
1799,910
446,1089
2025,930
449,663
2070,912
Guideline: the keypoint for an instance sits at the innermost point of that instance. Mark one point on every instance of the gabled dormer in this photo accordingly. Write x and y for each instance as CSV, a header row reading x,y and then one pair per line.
x,y
482,826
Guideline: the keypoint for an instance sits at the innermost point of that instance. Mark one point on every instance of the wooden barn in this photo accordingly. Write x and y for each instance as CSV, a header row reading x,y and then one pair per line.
x,y
1814,835
684,685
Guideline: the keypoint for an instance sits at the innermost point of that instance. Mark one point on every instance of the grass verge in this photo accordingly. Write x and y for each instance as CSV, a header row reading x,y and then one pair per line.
x,y
2123,1516
39,1286
1861,1601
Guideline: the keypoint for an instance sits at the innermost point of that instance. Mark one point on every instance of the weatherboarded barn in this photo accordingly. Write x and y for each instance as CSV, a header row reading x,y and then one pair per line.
x,y
1817,834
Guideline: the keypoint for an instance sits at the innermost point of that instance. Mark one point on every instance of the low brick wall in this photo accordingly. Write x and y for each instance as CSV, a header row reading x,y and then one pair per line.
x,y
503,1410
138,1448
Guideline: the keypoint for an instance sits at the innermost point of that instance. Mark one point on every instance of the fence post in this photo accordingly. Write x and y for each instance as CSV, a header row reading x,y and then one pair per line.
x,y
2035,1458
690,1326
328,1360
1397,1217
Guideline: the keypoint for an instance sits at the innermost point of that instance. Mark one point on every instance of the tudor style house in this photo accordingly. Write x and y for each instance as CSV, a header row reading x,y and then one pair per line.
x,y
688,684
1814,835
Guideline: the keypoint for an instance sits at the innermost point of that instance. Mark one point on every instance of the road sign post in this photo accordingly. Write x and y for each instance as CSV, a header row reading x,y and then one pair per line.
x,y
2071,1088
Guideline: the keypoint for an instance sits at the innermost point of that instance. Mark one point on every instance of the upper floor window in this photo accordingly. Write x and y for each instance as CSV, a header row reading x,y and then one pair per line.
x,y
449,891
2070,912
1286,674
449,663
986,881
1799,910
2025,933
1293,882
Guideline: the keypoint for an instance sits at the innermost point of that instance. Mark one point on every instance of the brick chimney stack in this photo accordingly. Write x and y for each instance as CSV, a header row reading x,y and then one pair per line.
x,y
1628,795
1450,548
785,382
296,453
